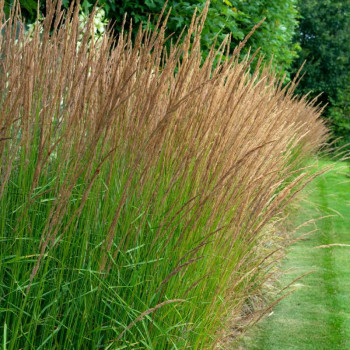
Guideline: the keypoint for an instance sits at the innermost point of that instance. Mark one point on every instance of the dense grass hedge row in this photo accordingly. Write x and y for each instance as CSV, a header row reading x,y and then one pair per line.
x,y
138,186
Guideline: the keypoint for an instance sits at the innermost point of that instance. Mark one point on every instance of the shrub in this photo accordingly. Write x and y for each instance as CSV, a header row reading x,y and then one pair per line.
x,y
137,185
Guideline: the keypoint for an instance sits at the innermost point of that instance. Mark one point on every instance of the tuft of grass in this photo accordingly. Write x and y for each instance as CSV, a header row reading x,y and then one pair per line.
x,y
139,186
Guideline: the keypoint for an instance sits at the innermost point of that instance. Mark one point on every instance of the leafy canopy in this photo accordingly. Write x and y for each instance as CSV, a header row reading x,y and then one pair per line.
x,y
324,36
235,17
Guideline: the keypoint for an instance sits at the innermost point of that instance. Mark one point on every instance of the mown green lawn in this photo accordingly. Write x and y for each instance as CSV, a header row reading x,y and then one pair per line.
x,y
317,315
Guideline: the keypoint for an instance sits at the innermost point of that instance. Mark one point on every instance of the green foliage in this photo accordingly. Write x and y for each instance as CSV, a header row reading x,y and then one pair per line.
x,y
235,17
339,114
28,8
324,37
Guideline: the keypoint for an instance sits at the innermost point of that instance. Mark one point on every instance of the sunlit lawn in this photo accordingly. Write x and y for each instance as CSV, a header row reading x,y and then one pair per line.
x,y
317,315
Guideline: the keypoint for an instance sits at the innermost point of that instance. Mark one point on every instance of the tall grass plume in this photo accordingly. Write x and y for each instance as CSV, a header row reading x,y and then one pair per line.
x,y
137,183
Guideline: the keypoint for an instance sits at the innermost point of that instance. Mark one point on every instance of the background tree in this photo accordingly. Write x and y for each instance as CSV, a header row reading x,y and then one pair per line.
x,y
235,17
324,36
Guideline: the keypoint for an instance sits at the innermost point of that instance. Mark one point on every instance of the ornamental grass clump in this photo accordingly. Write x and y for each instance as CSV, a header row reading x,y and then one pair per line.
x,y
138,183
